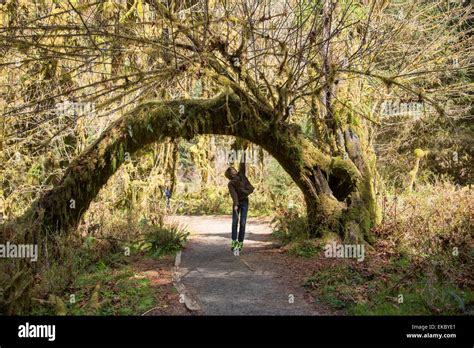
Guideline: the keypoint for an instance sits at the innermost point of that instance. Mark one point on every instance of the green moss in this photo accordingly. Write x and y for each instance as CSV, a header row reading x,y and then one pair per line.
x,y
312,156
113,163
329,237
341,167
331,209
363,211
121,153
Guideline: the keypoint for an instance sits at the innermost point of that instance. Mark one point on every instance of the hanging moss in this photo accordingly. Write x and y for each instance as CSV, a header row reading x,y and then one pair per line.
x,y
113,164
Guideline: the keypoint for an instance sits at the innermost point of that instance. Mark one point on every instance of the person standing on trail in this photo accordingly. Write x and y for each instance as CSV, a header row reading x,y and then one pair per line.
x,y
240,188
167,197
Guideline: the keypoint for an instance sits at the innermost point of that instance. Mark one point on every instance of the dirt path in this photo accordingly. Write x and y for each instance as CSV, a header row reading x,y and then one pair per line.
x,y
224,284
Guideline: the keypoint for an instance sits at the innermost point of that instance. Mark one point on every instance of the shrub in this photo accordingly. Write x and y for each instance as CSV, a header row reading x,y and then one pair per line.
x,y
164,239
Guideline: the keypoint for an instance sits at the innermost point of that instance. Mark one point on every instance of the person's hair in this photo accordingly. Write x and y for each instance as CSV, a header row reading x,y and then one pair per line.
x,y
228,172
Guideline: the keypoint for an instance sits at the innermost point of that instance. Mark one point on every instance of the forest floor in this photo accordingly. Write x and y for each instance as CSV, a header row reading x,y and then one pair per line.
x,y
263,280
269,277
296,279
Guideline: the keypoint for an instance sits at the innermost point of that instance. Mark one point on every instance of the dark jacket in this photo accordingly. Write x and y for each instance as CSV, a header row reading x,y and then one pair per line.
x,y
239,186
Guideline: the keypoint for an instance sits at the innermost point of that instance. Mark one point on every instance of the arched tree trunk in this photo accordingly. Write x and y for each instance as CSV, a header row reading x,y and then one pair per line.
x,y
334,188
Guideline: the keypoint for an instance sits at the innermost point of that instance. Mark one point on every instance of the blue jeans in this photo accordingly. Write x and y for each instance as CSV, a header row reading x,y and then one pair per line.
x,y
243,209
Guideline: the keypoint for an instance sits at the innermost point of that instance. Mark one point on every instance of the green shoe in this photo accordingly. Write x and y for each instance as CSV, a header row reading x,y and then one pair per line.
x,y
240,245
234,245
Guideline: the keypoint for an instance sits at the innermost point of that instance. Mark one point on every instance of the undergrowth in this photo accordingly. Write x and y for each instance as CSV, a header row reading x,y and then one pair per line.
x,y
421,263
94,266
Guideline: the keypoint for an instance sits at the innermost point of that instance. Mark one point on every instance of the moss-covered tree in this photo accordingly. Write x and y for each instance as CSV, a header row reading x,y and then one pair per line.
x,y
337,195
272,69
